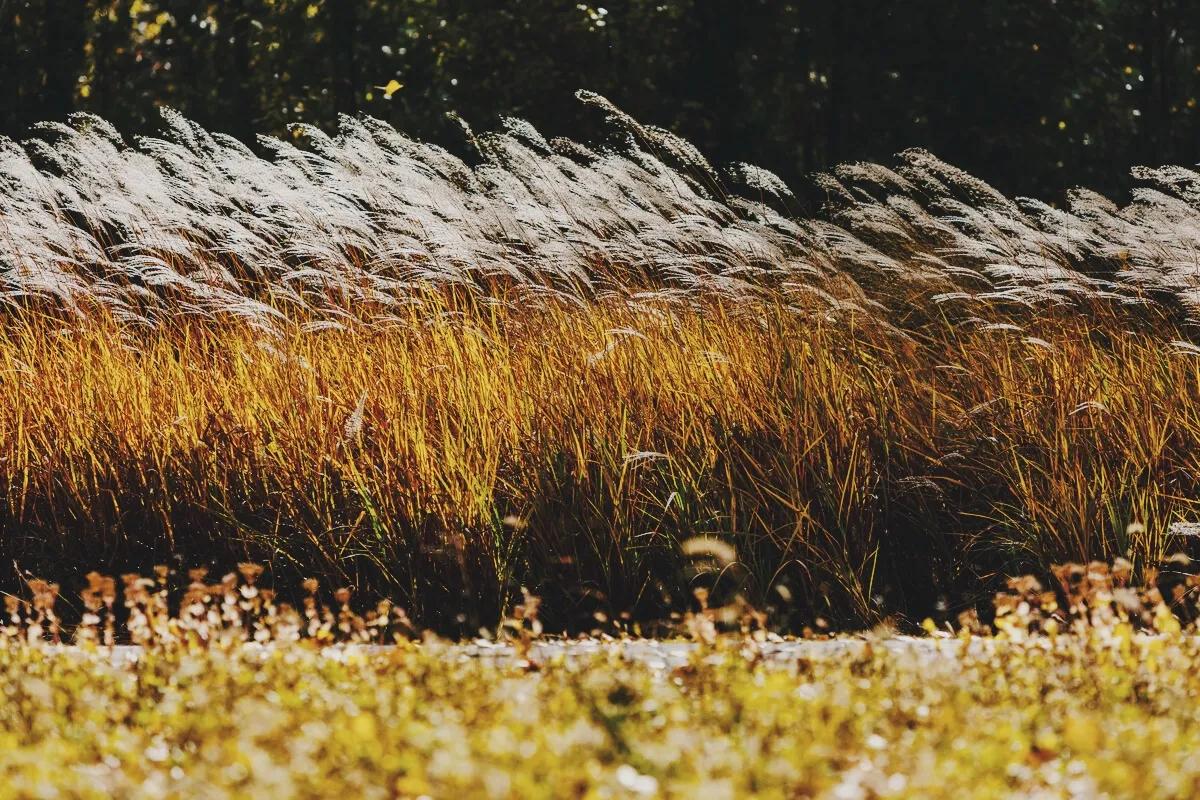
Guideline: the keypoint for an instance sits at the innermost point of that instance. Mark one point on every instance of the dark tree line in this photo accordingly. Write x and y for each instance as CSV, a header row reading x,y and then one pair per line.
x,y
1034,95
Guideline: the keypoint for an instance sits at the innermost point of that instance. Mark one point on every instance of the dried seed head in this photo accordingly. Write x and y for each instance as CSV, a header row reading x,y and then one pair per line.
x,y
1122,570
250,572
709,547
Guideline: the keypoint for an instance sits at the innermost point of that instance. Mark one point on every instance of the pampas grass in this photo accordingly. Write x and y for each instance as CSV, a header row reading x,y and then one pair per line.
x,y
548,365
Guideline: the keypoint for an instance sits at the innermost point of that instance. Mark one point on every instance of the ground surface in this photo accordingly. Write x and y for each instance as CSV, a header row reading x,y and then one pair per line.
x,y
1110,714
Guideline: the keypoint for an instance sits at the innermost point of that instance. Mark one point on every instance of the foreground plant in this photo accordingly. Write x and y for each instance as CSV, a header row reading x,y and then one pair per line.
x,y
1078,716
1088,686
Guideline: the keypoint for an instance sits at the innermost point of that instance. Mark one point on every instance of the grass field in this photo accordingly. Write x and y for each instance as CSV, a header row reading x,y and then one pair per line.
x,y
1103,716
1084,687
574,452
358,388
593,372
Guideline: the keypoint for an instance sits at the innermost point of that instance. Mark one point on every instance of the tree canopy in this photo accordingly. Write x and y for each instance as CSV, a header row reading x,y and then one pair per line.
x,y
1032,95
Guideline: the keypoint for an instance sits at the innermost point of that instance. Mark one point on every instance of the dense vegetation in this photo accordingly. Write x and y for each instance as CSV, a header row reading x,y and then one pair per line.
x,y
1058,719
1033,96
1071,698
366,359
279,411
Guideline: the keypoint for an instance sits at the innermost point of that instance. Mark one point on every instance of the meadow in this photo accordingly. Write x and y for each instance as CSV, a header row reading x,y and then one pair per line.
x,y
607,374
1086,689
310,453
1059,720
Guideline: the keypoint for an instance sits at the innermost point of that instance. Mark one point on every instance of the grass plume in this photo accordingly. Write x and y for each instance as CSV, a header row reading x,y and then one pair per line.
x,y
548,365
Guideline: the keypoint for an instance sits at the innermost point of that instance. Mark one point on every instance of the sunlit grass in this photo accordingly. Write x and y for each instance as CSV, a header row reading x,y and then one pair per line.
x,y
547,365
571,450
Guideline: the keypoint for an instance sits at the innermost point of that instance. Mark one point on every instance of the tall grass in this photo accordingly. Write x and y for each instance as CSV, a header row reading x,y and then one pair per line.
x,y
552,366
573,451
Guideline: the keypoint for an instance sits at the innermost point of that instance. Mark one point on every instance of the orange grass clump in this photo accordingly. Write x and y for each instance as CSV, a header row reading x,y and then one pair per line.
x,y
855,470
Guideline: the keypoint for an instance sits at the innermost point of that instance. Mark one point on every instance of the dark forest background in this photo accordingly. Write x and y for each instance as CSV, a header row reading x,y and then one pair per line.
x,y
1033,95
